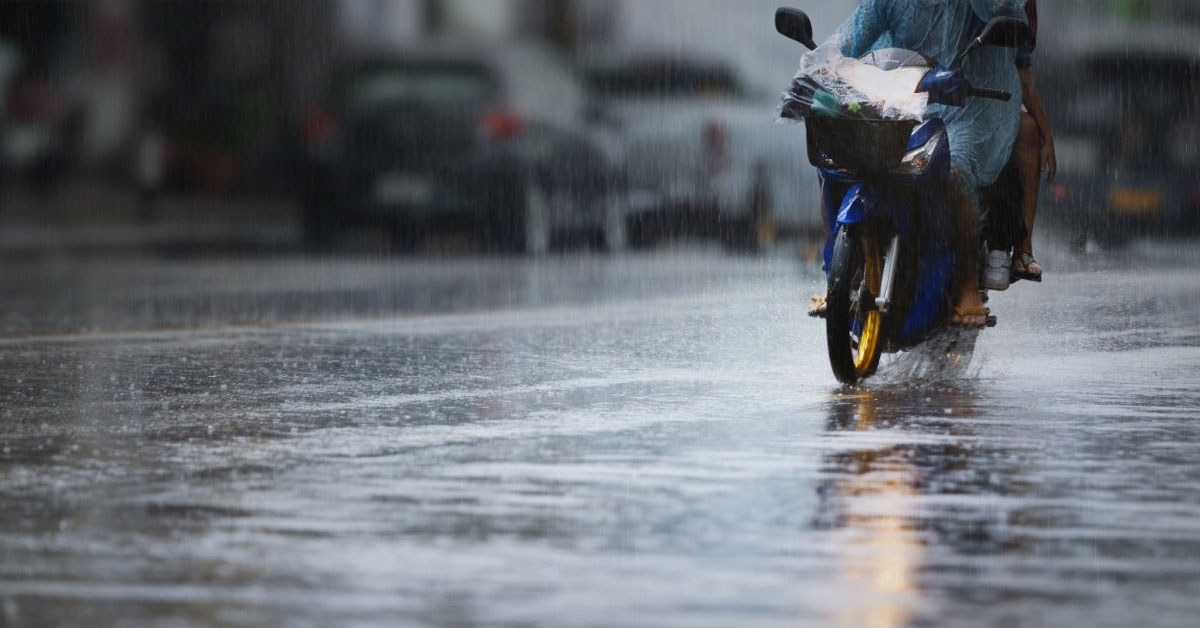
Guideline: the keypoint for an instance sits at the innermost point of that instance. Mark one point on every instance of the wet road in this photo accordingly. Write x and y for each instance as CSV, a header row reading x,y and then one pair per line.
x,y
651,440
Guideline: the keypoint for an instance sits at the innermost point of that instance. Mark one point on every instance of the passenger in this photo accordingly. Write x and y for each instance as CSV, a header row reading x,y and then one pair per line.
x,y
981,135
1034,153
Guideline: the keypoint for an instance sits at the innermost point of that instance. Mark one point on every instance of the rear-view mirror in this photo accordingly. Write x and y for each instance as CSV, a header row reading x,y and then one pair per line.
x,y
795,25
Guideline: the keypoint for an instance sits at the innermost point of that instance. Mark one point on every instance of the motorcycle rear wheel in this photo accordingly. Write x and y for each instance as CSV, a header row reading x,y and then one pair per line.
x,y
854,330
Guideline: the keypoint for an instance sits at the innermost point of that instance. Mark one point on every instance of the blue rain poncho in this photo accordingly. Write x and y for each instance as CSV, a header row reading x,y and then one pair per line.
x,y
982,133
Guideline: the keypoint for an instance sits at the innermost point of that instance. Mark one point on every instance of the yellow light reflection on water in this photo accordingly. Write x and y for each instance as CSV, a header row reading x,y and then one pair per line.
x,y
880,563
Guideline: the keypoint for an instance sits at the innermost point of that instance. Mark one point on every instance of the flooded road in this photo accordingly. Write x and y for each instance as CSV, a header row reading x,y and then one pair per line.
x,y
651,440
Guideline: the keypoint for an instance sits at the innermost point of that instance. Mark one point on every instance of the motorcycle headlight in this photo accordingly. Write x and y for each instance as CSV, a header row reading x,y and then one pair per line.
x,y
918,159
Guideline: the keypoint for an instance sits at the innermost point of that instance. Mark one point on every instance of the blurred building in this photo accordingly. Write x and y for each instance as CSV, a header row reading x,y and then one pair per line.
x,y
215,77
223,80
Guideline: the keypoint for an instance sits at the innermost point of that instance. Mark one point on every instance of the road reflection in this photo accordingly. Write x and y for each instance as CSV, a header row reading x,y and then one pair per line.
x,y
870,502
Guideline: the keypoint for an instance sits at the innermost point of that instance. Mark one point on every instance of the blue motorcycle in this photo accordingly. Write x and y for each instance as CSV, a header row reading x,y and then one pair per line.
x,y
888,255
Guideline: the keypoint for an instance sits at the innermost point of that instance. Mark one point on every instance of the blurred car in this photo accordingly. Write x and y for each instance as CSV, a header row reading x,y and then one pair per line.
x,y
486,139
38,122
1126,119
704,154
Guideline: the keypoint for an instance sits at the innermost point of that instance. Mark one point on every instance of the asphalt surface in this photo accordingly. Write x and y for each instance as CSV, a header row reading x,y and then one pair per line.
x,y
643,440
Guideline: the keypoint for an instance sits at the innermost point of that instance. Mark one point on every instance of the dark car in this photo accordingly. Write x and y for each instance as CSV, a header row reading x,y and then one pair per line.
x,y
39,122
490,141
1127,124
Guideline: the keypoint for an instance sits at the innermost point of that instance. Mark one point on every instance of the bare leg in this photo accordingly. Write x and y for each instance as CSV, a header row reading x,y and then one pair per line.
x,y
1028,152
965,234
819,306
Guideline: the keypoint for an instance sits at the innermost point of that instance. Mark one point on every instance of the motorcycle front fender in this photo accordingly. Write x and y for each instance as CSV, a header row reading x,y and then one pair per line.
x,y
856,205
862,201
854,209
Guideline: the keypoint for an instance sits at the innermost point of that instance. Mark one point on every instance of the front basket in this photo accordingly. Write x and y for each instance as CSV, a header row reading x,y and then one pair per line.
x,y
858,145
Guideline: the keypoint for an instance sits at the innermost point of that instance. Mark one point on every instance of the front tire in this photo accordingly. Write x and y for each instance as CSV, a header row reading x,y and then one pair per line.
x,y
854,330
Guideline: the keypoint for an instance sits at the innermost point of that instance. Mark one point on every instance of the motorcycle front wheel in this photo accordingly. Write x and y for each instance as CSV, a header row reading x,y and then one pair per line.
x,y
853,326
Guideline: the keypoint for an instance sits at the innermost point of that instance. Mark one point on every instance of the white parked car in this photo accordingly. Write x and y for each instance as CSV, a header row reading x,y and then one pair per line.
x,y
703,155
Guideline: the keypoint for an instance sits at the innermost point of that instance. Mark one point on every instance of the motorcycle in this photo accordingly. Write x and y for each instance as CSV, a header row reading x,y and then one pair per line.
x,y
888,255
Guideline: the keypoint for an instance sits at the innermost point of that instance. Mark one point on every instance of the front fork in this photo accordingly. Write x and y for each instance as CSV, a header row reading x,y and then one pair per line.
x,y
883,302
862,201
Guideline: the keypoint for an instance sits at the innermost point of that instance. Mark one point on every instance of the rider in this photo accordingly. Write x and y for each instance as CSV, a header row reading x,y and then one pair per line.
x,y
981,134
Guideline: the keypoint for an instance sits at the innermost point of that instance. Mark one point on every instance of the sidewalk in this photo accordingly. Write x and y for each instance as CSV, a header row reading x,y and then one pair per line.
x,y
95,217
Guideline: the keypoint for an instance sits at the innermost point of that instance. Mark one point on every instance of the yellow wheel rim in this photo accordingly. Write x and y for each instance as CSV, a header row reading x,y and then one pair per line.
x,y
868,342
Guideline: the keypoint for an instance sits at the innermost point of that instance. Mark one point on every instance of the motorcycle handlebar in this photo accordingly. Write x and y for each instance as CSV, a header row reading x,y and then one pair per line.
x,y
994,94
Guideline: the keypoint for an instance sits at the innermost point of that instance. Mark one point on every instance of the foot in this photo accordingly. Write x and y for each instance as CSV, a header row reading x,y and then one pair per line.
x,y
1025,267
970,313
819,307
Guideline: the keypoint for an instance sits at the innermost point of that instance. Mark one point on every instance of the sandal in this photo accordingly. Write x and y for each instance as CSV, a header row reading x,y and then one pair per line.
x,y
962,314
1031,270
819,308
